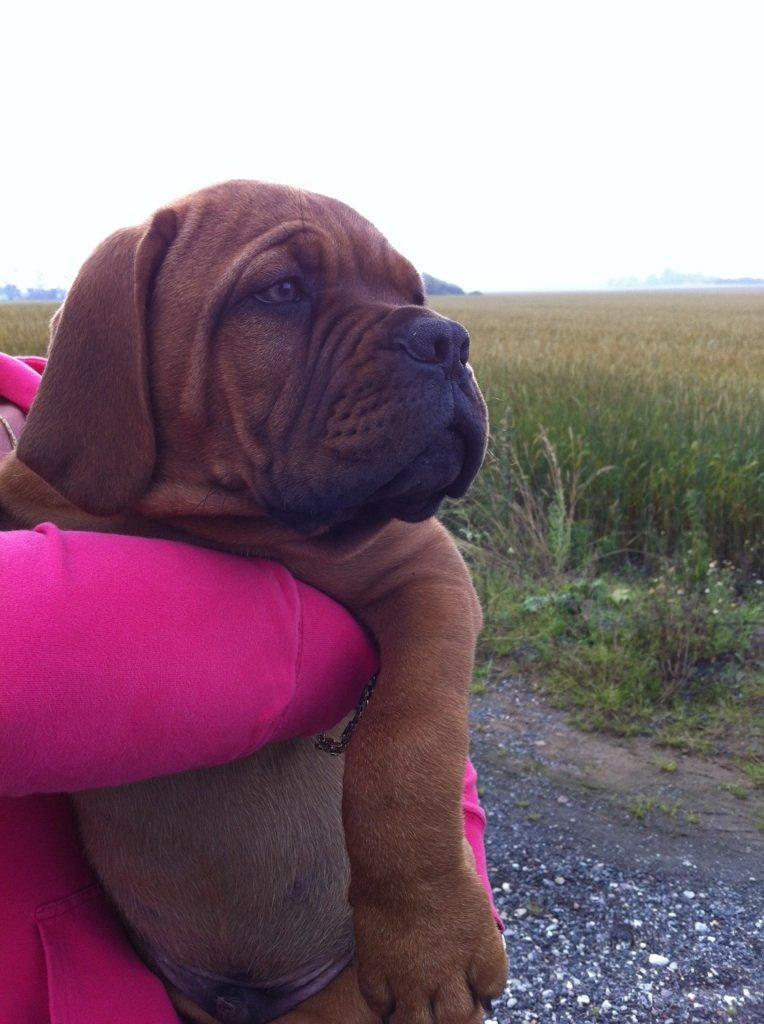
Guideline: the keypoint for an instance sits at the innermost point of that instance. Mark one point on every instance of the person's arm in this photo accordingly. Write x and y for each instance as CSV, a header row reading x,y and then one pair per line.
x,y
124,658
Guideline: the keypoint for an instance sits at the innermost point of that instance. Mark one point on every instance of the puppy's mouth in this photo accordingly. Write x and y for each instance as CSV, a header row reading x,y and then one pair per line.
x,y
416,492
444,468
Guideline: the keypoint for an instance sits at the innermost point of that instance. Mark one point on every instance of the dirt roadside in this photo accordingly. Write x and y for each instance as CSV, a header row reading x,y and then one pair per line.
x,y
624,784
630,892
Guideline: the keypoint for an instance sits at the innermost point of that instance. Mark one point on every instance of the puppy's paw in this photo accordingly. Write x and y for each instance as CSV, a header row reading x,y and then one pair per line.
x,y
435,957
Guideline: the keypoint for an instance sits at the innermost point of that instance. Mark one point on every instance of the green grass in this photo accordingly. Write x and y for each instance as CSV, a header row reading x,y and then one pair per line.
x,y
737,789
629,654
617,529
754,769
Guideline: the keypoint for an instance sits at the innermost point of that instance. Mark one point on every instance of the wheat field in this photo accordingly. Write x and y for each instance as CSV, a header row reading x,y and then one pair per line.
x,y
652,404
24,327
636,417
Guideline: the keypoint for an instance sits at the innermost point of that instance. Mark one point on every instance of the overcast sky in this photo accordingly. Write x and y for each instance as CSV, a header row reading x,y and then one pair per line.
x,y
500,145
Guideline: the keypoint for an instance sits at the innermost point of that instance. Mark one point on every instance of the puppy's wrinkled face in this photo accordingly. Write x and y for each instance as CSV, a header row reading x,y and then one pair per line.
x,y
294,364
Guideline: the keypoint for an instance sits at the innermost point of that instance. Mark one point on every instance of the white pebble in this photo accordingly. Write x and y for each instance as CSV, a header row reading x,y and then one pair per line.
x,y
583,1000
506,886
688,894
559,880
657,960
701,928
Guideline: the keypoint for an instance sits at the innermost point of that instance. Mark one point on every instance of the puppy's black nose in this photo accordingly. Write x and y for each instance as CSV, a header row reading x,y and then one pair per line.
x,y
440,341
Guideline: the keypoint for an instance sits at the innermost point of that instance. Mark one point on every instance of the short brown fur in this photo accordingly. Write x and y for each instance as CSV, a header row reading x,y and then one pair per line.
x,y
175,406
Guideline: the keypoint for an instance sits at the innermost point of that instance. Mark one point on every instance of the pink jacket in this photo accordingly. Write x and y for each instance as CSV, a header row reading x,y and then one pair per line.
x,y
114,669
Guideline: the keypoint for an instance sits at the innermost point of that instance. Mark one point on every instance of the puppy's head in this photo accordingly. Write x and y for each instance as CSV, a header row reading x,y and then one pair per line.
x,y
255,350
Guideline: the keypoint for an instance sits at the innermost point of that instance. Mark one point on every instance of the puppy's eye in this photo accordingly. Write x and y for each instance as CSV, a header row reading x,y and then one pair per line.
x,y
286,290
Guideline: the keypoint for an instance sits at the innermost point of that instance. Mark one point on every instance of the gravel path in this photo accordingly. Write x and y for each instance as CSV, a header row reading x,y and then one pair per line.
x,y
608,918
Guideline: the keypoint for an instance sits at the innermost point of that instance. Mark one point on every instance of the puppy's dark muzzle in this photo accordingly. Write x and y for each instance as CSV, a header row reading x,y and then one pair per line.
x,y
428,446
439,349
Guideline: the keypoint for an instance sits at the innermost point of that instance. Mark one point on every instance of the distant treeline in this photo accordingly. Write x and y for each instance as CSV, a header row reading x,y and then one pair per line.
x,y
677,279
12,293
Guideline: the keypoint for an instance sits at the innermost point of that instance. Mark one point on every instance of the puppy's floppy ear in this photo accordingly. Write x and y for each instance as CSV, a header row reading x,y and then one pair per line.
x,y
90,432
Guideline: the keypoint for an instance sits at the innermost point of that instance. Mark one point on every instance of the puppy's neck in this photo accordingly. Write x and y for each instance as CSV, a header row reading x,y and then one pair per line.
x,y
213,519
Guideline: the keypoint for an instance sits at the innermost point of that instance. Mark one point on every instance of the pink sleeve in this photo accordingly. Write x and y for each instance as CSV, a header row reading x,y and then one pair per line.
x,y
474,831
123,658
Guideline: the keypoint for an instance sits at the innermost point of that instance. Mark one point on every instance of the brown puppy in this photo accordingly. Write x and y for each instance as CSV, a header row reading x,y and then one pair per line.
x,y
255,369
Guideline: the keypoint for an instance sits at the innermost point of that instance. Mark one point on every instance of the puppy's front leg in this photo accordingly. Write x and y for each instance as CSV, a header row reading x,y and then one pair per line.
x,y
428,948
